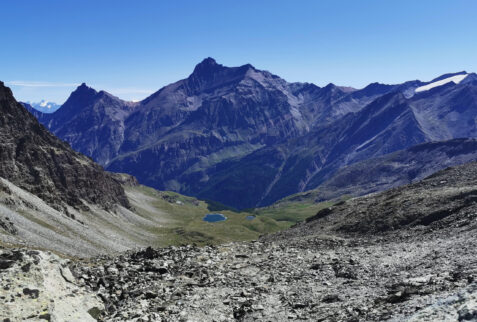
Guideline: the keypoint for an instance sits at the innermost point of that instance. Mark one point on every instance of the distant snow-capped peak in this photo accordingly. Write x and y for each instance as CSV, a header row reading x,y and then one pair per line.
x,y
456,79
45,106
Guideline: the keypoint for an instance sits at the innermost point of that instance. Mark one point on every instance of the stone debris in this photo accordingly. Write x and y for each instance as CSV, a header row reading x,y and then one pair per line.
x,y
317,278
421,277
330,268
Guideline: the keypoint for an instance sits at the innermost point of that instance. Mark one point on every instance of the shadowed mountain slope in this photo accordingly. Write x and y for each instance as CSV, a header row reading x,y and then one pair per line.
x,y
37,161
446,199
391,170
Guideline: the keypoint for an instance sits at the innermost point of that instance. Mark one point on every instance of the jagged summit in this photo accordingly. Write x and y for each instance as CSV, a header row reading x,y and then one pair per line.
x,y
206,63
84,93
209,64
207,67
84,88
208,74
80,97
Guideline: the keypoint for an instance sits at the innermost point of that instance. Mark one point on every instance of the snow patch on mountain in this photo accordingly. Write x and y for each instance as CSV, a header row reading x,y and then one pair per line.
x,y
456,79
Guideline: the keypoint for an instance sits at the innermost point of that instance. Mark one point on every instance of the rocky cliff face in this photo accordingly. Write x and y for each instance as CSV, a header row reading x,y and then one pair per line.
x,y
38,162
247,138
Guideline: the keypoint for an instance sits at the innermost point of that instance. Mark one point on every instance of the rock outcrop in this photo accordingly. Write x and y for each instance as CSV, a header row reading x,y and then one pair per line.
x,y
39,286
40,163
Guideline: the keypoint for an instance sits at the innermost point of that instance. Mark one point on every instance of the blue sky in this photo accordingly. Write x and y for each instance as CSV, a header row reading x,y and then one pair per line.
x,y
132,48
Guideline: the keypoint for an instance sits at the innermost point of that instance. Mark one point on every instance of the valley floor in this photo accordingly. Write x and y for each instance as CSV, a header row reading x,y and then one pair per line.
x,y
417,275
157,219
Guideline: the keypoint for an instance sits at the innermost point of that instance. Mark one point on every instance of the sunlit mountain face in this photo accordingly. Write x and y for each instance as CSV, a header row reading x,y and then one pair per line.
x,y
246,137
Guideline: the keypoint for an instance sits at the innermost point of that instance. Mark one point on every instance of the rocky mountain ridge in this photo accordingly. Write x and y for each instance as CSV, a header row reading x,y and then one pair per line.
x,y
210,134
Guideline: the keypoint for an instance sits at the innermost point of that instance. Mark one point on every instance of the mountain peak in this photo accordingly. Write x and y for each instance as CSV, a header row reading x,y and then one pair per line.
x,y
208,61
209,73
82,96
206,66
331,87
83,86
84,90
